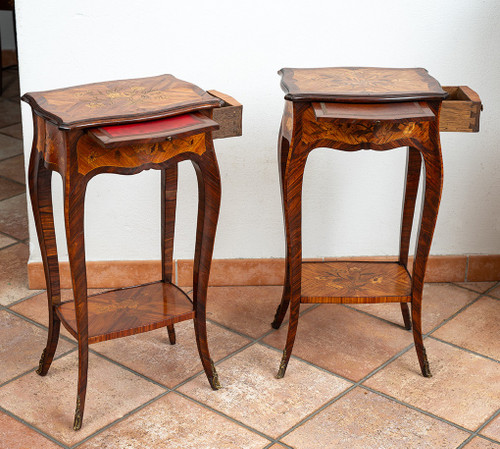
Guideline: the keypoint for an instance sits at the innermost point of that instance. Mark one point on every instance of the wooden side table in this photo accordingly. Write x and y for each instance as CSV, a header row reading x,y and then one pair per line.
x,y
350,109
123,127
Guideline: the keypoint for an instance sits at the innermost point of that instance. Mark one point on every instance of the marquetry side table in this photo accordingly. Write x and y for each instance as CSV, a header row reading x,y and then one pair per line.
x,y
350,109
123,127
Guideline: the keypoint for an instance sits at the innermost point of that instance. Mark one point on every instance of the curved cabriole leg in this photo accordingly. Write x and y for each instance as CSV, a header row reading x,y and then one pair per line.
x,y
432,196
413,166
74,197
292,206
209,188
41,199
283,147
168,204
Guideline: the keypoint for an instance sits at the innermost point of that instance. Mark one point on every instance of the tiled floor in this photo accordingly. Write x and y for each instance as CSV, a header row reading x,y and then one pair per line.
x,y
353,381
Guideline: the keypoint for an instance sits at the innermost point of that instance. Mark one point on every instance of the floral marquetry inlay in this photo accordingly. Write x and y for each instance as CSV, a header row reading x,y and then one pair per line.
x,y
359,83
93,156
120,101
351,281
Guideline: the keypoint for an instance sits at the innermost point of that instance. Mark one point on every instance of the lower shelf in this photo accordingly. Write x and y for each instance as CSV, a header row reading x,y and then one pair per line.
x,y
355,282
129,311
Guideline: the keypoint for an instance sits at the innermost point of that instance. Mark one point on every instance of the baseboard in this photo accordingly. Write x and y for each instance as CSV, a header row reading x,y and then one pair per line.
x,y
225,272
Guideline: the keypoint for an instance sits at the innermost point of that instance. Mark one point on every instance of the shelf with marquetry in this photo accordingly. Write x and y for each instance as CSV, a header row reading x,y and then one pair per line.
x,y
131,310
354,282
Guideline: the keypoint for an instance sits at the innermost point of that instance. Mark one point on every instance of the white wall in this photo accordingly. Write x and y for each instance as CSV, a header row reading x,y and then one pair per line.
x,y
351,201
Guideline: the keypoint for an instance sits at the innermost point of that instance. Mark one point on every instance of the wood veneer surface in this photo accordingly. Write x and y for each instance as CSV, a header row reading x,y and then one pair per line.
x,y
120,101
128,311
360,84
355,282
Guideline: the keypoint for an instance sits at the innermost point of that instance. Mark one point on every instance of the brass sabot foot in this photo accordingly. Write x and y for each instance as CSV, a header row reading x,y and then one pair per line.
x,y
214,380
77,423
40,371
283,365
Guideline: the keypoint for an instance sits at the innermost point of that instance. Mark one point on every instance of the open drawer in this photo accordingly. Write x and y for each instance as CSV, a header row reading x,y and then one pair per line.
x,y
228,116
153,130
460,111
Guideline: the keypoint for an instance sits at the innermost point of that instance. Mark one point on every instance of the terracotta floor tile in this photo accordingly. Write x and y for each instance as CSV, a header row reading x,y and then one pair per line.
x,y
151,353
495,292
477,328
481,443
477,286
13,168
14,274
13,217
15,435
9,146
15,130
48,402
492,430
174,421
249,310
343,340
6,241
10,112
252,395
439,302
21,345
36,309
10,188
364,420
464,389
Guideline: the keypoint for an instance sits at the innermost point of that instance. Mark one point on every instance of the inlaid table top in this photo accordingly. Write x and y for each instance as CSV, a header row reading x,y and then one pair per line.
x,y
119,101
360,85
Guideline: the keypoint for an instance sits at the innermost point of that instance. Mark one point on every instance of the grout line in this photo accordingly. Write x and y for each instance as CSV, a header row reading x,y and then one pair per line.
x,y
352,387
122,418
258,432
31,295
320,368
317,411
126,368
464,349
223,326
11,180
12,237
416,409
250,343
459,311
493,287
32,427
17,194
258,340
201,372
481,427
392,323
60,356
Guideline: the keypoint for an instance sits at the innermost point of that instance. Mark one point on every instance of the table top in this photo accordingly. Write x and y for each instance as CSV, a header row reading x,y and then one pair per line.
x,y
360,85
119,101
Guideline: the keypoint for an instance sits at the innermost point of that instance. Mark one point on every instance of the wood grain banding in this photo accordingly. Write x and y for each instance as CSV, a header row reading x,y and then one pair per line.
x,y
129,311
354,282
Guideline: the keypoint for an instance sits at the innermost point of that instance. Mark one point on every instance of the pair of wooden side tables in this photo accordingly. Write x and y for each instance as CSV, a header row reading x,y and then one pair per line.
x,y
128,126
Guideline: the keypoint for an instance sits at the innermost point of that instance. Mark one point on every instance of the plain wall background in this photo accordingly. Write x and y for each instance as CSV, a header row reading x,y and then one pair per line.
x,y
351,201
